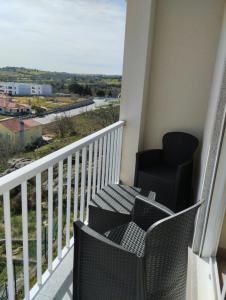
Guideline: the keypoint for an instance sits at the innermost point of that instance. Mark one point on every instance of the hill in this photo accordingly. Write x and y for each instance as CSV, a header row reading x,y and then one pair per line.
x,y
59,80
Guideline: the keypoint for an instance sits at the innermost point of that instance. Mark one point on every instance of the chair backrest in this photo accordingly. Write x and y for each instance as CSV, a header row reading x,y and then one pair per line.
x,y
178,147
166,255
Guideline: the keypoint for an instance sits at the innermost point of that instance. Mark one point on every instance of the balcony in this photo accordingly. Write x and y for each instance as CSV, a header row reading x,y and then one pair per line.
x,y
71,176
173,80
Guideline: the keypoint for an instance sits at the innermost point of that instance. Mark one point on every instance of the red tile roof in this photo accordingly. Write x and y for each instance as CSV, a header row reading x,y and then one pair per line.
x,y
14,125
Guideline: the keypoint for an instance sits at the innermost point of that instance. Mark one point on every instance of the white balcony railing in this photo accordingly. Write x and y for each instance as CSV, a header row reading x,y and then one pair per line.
x,y
88,165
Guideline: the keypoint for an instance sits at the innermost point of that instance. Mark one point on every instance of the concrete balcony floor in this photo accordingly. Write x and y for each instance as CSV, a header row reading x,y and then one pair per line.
x,y
59,286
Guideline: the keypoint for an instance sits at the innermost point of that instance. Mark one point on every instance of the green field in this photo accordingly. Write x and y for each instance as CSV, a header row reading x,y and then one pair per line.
x,y
3,117
48,102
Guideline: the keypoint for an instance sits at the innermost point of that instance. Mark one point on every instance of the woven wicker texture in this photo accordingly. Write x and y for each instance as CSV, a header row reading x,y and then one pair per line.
x,y
112,269
102,271
166,255
130,236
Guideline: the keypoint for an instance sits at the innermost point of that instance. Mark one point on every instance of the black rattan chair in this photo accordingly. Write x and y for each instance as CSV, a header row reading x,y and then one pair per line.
x,y
113,205
168,172
145,259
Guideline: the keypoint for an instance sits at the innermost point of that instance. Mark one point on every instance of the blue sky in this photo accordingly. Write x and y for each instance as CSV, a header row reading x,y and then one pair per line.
x,y
77,36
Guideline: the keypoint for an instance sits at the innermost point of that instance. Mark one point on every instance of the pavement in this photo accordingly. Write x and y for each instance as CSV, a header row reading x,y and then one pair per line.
x,y
70,113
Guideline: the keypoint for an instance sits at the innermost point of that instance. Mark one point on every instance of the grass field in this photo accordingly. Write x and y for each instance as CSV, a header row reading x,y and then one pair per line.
x,y
3,117
47,102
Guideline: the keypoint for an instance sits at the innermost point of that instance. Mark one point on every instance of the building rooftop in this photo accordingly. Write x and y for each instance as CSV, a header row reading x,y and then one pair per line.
x,y
14,124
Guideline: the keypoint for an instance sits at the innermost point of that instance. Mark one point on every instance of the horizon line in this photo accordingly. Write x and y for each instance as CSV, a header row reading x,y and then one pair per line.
x,y
64,72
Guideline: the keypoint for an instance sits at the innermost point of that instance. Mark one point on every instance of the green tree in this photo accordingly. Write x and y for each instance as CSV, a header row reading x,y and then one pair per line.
x,y
64,126
75,88
7,149
87,91
100,93
106,115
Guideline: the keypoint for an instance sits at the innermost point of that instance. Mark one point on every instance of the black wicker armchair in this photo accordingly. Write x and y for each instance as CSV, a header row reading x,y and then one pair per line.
x,y
141,260
168,172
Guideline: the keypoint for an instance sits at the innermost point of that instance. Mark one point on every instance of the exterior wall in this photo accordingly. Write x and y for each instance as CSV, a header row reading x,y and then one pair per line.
x,y
14,111
30,135
25,89
6,134
41,89
2,110
140,17
9,88
184,46
46,90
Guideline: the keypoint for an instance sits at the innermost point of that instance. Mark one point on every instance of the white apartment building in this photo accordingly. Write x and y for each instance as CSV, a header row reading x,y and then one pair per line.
x,y
25,89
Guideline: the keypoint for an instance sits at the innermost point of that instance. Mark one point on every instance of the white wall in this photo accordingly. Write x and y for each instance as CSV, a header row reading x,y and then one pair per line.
x,y
185,43
135,80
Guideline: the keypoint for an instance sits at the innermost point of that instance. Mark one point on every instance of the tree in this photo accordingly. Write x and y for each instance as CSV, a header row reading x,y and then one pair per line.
x,y
87,91
110,94
100,93
105,115
75,88
80,89
7,149
64,126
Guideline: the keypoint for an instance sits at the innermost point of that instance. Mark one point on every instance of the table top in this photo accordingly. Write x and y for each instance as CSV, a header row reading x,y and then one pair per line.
x,y
118,198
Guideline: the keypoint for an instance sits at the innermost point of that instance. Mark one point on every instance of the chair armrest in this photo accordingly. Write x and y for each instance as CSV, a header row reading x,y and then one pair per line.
x,y
146,159
102,220
107,269
81,227
146,212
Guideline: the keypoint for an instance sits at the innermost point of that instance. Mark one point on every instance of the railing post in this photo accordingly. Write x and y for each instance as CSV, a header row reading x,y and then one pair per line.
x,y
39,228
50,218
8,241
60,207
68,209
98,165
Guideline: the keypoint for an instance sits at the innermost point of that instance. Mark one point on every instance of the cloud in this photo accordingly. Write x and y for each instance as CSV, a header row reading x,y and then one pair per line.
x,y
79,36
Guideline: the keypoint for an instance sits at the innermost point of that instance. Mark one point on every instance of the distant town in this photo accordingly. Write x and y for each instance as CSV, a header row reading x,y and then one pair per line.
x,y
41,111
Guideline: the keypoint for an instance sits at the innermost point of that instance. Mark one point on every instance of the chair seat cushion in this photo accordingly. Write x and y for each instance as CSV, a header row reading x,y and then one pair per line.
x,y
130,236
161,173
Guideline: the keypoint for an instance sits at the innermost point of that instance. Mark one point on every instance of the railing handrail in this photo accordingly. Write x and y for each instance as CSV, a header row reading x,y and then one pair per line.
x,y
27,172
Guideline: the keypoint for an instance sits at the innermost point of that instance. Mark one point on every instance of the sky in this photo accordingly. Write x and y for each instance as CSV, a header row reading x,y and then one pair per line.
x,y
76,36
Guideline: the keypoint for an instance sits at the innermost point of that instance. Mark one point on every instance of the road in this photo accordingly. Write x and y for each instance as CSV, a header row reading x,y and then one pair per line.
x,y
71,113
